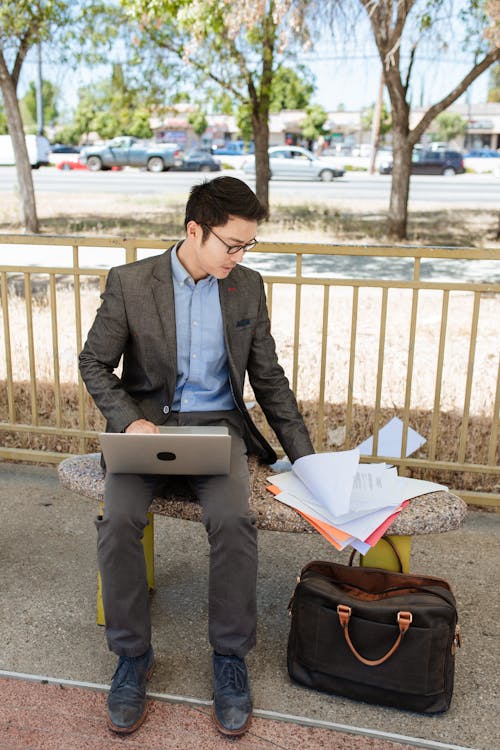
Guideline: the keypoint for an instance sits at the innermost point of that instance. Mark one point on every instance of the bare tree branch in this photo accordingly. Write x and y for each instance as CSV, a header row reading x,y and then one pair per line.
x,y
410,67
437,108
200,66
22,51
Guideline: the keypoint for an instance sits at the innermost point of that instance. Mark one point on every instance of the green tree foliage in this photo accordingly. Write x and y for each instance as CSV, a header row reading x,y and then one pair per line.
x,y
237,45
110,108
244,121
3,120
449,126
67,134
385,119
494,84
29,105
74,30
198,122
291,88
313,125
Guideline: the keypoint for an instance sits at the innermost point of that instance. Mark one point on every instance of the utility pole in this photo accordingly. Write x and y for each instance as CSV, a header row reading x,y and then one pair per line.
x,y
377,117
39,90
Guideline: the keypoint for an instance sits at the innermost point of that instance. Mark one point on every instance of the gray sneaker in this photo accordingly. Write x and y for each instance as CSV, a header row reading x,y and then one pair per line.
x,y
127,695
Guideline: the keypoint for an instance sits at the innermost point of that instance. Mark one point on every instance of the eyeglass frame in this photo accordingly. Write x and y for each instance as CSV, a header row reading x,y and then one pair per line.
x,y
233,249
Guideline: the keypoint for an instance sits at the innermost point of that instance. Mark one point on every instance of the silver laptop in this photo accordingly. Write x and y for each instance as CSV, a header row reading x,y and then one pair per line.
x,y
174,450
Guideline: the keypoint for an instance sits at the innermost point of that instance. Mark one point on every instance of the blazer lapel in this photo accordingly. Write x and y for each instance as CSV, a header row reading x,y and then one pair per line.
x,y
163,294
228,292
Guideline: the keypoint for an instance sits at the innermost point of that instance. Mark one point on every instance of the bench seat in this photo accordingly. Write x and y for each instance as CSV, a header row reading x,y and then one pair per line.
x,y
428,514
433,513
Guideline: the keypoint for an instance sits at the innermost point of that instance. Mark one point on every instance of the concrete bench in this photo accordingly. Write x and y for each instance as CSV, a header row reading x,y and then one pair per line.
x,y
433,513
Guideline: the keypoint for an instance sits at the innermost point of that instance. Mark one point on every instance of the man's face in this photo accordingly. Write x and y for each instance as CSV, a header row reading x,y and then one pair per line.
x,y
210,257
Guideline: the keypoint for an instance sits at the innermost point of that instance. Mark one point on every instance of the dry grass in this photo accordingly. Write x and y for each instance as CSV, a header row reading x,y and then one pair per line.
x,y
334,416
336,221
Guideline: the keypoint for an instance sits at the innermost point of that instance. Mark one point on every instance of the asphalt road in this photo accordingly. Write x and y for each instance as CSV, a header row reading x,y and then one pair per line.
x,y
355,189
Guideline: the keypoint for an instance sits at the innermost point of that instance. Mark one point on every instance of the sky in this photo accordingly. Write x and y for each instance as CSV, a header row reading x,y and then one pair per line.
x,y
353,81
346,74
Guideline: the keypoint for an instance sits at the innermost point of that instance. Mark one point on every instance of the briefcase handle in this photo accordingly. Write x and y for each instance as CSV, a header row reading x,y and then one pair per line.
x,y
404,620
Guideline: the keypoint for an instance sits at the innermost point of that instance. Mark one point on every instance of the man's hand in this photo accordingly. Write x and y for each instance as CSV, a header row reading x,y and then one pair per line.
x,y
142,426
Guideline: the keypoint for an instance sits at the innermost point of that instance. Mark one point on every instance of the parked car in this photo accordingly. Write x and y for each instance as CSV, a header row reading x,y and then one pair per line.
x,y
63,153
199,161
482,153
234,148
296,163
127,151
63,148
67,164
447,163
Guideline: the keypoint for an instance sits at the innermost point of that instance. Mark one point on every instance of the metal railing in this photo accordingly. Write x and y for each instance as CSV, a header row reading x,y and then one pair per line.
x,y
364,332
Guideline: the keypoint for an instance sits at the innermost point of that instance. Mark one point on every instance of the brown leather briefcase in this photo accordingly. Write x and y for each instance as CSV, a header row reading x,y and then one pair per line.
x,y
374,635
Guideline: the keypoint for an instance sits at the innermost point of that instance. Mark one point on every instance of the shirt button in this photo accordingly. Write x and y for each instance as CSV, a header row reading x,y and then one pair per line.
x,y
194,356
166,409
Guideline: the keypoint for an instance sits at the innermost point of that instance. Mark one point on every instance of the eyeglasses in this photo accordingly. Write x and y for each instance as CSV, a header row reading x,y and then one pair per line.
x,y
232,249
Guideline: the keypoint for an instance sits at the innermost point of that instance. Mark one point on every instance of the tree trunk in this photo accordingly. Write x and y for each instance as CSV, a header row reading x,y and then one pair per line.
x,y
400,185
402,147
29,219
262,173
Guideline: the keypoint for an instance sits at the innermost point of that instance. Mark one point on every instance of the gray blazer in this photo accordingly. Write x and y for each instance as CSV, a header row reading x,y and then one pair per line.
x,y
137,320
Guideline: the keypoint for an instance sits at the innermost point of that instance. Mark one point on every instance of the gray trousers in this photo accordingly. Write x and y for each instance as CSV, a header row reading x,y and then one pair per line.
x,y
232,537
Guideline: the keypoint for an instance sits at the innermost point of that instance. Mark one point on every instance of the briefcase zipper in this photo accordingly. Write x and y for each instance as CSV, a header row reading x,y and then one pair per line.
x,y
392,590
317,587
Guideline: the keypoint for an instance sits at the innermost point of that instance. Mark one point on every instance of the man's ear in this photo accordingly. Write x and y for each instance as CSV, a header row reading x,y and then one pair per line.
x,y
193,230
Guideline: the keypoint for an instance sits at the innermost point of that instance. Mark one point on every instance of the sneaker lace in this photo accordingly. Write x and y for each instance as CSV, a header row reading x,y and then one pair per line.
x,y
232,674
126,673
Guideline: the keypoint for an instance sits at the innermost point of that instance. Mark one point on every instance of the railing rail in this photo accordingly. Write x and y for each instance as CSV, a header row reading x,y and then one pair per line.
x,y
398,331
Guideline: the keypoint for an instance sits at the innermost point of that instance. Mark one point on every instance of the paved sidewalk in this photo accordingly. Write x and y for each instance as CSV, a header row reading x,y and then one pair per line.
x,y
47,630
54,717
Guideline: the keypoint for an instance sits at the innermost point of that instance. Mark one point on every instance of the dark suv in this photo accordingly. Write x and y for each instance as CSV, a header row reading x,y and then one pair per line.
x,y
443,162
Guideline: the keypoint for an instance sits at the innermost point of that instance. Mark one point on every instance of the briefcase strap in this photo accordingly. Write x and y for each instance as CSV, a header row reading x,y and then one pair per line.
x,y
404,620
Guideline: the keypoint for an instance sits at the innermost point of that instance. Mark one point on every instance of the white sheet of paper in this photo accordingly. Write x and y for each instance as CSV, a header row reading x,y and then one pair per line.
x,y
360,528
289,482
294,494
329,477
373,487
406,488
390,440
363,526
361,547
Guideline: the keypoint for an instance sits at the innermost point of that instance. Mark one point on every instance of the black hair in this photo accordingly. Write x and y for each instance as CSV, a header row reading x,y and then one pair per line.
x,y
211,203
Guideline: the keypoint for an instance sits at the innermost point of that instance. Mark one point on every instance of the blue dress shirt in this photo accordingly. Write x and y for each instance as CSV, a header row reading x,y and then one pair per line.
x,y
202,372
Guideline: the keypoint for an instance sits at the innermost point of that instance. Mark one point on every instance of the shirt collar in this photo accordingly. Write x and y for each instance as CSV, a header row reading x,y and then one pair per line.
x,y
181,276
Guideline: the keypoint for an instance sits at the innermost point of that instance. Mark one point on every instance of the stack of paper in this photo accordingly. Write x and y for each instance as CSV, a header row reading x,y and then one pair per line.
x,y
347,502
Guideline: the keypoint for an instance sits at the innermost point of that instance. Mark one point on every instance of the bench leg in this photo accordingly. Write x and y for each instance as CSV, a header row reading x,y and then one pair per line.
x,y
382,556
148,543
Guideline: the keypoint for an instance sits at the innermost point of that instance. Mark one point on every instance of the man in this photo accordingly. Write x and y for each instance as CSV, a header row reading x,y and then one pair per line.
x,y
190,325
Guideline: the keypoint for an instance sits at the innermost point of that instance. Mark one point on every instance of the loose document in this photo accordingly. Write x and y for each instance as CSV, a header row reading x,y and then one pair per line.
x,y
348,502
